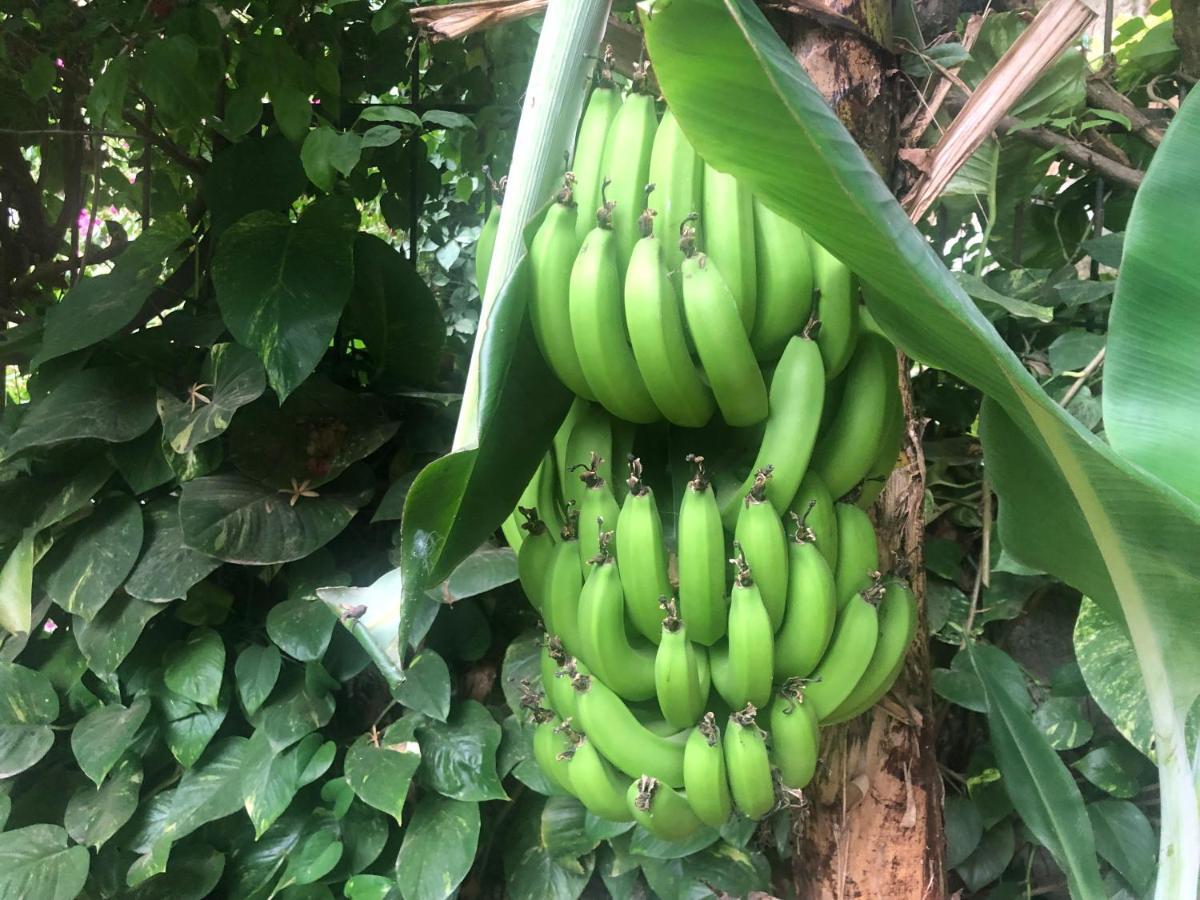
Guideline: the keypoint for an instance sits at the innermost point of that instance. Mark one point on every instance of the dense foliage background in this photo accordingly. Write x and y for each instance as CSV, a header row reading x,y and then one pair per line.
x,y
237,270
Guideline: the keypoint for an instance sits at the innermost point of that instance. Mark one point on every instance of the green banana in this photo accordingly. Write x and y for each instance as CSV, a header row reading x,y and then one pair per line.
x,y
642,555
721,343
588,161
795,735
531,496
785,282
722,678
556,669
626,668
597,314
511,529
677,173
627,164
748,764
858,552
750,663
704,773
551,257
597,784
850,649
547,494
677,672
553,746
796,397
564,581
598,512
657,335
762,540
811,607
623,434
891,442
701,560
648,713
897,627
661,810
728,225
533,559
624,741
487,234
562,462
814,504
592,432
837,310
846,452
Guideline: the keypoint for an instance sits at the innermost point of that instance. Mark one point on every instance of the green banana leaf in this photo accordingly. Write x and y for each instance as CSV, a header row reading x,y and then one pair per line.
x,y
1070,505
1152,368
1036,779
512,403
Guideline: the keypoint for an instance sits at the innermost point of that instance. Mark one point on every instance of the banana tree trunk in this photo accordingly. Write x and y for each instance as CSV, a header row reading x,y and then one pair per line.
x,y
874,823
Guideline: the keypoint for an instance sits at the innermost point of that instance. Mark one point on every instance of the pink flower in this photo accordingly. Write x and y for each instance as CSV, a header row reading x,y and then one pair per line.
x,y
49,626
59,62
85,219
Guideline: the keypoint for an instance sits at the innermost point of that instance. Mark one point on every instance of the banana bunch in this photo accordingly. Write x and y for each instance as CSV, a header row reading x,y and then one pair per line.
x,y
703,621
685,676
649,327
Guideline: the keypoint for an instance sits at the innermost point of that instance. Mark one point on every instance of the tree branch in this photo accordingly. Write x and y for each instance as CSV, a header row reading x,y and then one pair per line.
x,y
922,117
1186,17
55,267
1103,95
1075,152
1034,51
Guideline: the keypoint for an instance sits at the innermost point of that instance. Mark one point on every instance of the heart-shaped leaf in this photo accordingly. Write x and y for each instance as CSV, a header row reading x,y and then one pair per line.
x,y
230,378
95,814
380,773
100,306
396,315
195,667
459,756
28,705
271,779
107,639
167,567
36,861
238,520
439,847
188,727
91,561
281,287
426,687
16,587
101,737
110,404
256,671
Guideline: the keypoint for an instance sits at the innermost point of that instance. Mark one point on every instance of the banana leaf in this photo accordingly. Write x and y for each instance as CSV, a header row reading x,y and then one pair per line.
x,y
512,403
1070,504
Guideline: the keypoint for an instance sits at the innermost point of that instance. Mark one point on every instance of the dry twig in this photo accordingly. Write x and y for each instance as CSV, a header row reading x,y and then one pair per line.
x,y
1039,45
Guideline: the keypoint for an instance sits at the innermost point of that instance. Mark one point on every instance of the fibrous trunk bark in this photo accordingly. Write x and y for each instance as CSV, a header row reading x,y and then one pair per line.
x,y
873,825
